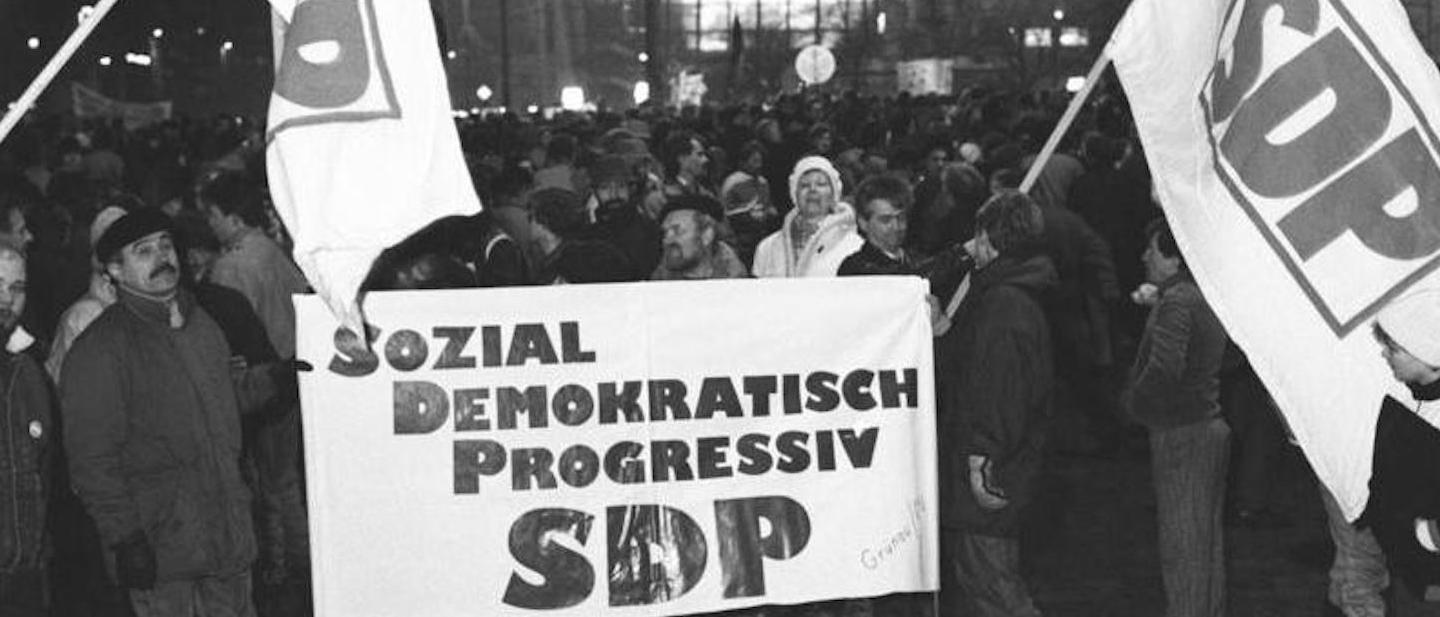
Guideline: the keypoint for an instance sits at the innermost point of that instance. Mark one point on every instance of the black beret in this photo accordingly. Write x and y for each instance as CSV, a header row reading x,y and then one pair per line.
x,y
129,228
699,203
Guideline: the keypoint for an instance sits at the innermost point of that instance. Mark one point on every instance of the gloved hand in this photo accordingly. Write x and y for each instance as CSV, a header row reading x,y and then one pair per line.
x,y
135,562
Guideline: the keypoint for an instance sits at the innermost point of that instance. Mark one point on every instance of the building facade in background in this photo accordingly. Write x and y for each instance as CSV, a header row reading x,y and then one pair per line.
x,y
215,56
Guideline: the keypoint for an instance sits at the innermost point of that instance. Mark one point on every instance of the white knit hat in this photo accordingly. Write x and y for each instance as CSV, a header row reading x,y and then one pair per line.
x,y
1413,322
815,163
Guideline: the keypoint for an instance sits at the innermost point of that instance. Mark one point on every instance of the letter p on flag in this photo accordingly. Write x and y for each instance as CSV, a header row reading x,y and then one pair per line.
x,y
362,149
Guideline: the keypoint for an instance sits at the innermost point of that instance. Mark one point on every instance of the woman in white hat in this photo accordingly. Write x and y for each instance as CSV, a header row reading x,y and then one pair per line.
x,y
818,234
1404,506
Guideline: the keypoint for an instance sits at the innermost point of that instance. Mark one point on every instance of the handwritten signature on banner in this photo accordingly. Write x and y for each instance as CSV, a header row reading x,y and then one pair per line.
x,y
872,557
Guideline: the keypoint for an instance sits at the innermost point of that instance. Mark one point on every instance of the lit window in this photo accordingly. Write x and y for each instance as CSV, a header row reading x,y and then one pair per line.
x,y
1074,37
1038,37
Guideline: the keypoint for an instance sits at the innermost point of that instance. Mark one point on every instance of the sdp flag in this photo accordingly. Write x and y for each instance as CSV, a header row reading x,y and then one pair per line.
x,y
362,146
1293,150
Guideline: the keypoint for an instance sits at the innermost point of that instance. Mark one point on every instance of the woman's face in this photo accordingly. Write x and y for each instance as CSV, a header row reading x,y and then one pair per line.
x,y
814,194
1404,366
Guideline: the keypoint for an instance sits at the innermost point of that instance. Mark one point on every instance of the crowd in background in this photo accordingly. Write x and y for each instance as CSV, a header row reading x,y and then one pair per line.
x,y
804,185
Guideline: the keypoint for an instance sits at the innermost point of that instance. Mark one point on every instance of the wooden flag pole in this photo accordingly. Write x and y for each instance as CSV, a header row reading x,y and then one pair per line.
x,y
1076,104
57,62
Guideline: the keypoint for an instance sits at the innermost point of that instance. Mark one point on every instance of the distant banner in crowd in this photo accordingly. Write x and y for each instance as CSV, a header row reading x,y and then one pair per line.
x,y
925,76
641,449
88,103
688,88
363,149
1294,149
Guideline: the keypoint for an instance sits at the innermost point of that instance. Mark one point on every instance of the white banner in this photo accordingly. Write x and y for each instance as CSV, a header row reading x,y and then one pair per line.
x,y
925,76
642,449
362,146
88,103
1293,148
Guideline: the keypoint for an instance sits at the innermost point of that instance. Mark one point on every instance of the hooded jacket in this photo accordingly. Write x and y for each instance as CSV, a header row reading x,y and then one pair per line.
x,y
834,240
777,256
995,376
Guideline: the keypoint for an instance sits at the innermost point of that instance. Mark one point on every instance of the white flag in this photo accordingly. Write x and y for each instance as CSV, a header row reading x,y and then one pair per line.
x,y
1292,147
362,145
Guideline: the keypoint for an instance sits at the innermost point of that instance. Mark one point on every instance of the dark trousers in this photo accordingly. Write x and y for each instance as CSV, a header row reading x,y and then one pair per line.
x,y
1259,438
23,593
1410,602
1188,466
284,534
980,577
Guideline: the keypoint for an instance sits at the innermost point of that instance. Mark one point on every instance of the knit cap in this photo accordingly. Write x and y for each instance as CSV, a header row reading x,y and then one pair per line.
x,y
103,221
127,229
1413,322
814,163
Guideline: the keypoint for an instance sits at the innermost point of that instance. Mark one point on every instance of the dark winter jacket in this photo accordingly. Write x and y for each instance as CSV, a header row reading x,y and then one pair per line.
x,y
152,431
26,430
870,260
1079,309
635,236
1176,377
1404,487
995,380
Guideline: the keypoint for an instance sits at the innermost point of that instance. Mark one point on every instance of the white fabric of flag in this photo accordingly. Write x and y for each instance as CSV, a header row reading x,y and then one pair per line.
x,y
1294,153
362,145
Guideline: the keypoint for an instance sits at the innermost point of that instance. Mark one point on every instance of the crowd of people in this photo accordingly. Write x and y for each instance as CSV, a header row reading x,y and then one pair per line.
x,y
145,283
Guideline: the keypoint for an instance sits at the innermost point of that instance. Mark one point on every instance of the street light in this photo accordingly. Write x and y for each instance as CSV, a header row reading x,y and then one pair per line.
x,y
105,60
451,55
158,33
139,59
1059,14
643,57
33,42
484,93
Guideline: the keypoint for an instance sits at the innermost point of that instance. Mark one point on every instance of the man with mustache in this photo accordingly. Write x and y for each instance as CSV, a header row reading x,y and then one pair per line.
x,y
25,429
152,431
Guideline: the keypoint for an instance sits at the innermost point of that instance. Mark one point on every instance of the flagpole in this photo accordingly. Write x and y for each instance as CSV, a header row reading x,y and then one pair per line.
x,y
1071,113
57,62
